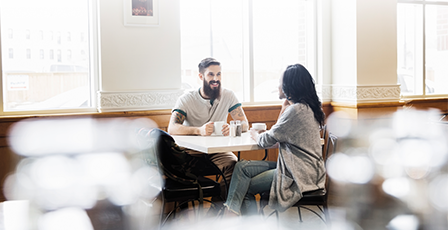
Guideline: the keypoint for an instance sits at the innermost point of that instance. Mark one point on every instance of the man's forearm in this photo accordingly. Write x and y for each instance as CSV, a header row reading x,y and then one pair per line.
x,y
178,129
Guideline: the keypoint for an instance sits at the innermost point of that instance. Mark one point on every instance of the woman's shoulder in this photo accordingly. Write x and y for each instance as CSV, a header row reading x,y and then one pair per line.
x,y
300,108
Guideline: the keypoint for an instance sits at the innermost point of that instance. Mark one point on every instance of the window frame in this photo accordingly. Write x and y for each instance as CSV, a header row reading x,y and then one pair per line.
x,y
248,70
423,3
94,65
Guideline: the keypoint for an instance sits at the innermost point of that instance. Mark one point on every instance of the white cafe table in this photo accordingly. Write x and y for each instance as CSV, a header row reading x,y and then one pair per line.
x,y
217,144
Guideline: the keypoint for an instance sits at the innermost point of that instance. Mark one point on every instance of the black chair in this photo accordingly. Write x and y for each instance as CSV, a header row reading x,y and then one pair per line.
x,y
317,198
323,135
180,187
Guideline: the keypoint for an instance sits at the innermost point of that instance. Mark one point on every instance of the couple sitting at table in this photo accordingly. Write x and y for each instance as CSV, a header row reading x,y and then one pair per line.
x,y
299,168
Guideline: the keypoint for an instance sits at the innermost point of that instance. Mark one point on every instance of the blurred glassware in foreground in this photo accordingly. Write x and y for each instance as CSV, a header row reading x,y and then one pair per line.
x,y
391,172
82,173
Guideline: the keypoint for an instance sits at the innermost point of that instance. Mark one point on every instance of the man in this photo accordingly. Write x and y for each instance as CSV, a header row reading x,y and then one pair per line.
x,y
195,112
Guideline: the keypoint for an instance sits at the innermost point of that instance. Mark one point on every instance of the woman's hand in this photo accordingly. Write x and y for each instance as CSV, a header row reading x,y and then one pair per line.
x,y
285,105
255,132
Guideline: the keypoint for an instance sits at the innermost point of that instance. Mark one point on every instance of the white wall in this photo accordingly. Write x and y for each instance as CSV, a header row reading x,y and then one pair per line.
x,y
343,29
376,42
139,58
364,51
140,66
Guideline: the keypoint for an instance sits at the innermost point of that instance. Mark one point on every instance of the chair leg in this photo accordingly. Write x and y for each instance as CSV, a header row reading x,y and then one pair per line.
x,y
278,220
300,213
162,213
175,206
327,215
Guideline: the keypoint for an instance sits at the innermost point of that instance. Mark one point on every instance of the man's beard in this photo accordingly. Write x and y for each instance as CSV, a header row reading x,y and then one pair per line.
x,y
213,93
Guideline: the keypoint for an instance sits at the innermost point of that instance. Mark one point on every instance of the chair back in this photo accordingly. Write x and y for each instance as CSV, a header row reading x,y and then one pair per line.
x,y
174,162
323,135
331,144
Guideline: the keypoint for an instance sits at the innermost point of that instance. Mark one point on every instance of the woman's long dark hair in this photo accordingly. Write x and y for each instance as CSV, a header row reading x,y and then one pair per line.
x,y
298,87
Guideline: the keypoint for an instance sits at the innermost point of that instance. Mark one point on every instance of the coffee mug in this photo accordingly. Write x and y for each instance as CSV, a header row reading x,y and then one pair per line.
x,y
217,127
259,126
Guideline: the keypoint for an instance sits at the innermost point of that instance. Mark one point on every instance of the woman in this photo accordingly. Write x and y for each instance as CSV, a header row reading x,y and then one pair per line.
x,y
299,167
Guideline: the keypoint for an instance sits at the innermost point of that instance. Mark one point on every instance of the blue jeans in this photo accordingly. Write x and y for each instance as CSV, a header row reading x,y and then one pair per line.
x,y
249,178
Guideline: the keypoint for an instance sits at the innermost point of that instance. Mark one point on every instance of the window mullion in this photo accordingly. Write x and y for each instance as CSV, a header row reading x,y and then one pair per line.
x,y
94,40
211,28
424,49
248,57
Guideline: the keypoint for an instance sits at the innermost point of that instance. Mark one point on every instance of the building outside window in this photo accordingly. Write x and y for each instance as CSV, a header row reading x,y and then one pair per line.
x,y
422,47
254,40
59,55
35,84
58,37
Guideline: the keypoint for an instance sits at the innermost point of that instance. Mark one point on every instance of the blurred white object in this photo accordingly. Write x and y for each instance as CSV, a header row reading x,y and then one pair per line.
x,y
37,137
67,219
15,215
403,222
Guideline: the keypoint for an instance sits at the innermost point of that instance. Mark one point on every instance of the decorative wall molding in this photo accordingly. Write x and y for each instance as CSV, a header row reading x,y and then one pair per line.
x,y
129,101
324,92
370,93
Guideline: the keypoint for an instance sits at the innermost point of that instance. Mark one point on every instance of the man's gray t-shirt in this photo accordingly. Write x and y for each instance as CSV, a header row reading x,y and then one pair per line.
x,y
198,111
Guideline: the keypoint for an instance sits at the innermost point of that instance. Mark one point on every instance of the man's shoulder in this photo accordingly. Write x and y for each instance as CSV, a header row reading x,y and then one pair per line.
x,y
189,95
227,92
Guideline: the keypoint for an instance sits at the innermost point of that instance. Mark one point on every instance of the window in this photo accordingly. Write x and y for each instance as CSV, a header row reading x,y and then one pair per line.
x,y
34,84
59,55
254,40
422,47
58,37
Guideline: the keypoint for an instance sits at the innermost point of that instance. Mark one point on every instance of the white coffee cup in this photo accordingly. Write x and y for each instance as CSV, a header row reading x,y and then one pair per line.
x,y
259,126
217,127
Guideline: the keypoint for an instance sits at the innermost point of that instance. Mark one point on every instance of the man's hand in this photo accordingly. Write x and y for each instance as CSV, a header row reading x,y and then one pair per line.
x,y
206,129
225,129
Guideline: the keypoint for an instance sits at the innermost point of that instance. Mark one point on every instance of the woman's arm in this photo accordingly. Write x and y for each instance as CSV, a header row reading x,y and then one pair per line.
x,y
285,105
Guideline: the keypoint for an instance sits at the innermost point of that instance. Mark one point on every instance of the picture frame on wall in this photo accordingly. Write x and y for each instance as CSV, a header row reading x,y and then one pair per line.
x,y
141,12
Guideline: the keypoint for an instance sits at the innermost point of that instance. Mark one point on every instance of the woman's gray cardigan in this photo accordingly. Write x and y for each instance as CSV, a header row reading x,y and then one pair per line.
x,y
300,167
